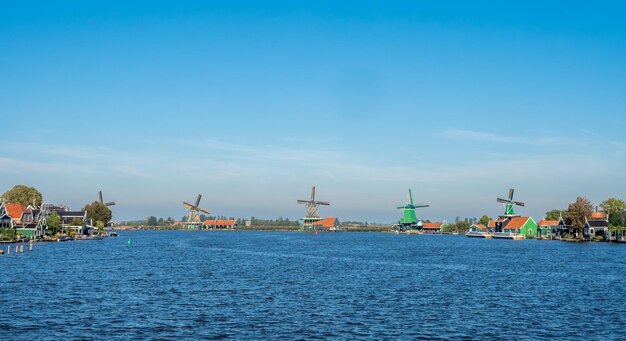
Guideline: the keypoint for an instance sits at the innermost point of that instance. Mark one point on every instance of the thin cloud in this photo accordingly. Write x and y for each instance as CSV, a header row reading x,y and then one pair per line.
x,y
506,138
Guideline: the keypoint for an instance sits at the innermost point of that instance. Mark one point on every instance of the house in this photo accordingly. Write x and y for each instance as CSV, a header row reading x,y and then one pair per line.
x,y
220,223
596,225
432,227
5,219
524,226
72,221
547,228
328,223
478,228
24,220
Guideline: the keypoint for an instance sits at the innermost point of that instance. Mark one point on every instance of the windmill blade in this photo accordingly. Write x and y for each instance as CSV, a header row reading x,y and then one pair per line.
x,y
188,205
323,203
410,197
312,193
198,200
401,207
518,203
110,203
100,197
421,205
304,202
203,210
511,193
503,201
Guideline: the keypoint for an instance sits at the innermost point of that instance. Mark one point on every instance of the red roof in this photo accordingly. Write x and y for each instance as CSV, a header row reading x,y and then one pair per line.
x,y
480,226
544,222
327,223
491,223
431,225
15,211
516,223
219,222
598,215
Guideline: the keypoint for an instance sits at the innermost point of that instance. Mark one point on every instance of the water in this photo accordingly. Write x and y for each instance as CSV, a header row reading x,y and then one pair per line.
x,y
282,285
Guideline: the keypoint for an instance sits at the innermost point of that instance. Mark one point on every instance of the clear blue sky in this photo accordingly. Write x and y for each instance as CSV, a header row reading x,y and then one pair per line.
x,y
251,103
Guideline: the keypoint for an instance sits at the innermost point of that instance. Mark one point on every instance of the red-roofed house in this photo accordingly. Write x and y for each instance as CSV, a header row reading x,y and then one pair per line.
x,y
546,228
478,228
220,223
432,227
328,223
525,226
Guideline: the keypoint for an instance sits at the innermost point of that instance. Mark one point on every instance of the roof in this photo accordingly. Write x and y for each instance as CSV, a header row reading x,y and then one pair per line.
x,y
544,222
480,226
598,223
327,222
516,223
219,222
15,211
491,223
597,215
435,225
71,214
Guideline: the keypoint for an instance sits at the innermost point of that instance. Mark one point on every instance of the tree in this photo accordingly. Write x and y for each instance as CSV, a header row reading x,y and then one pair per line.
x,y
53,222
24,195
615,209
151,221
462,226
554,214
97,211
484,220
578,211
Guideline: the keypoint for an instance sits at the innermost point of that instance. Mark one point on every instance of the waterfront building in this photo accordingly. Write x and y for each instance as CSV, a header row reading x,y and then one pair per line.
x,y
547,228
432,227
26,221
523,226
219,223
596,225
478,228
328,223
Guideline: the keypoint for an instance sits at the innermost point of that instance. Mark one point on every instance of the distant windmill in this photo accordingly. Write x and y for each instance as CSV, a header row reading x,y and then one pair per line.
x,y
509,203
409,218
193,217
110,203
312,214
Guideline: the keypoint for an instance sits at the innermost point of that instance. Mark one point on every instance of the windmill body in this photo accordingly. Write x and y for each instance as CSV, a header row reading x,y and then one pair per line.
x,y
107,204
312,214
409,217
193,216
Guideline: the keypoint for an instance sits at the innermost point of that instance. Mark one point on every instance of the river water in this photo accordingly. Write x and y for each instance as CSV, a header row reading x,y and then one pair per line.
x,y
290,285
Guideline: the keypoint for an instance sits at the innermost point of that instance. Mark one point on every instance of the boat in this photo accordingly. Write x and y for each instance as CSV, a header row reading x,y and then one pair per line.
x,y
64,239
502,235
478,234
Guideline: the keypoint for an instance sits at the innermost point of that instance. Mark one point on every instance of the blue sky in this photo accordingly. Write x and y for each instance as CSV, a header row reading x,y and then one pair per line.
x,y
251,103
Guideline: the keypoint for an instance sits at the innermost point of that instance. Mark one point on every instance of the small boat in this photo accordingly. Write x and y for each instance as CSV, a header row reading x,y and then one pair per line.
x,y
64,239
113,234
477,234
502,235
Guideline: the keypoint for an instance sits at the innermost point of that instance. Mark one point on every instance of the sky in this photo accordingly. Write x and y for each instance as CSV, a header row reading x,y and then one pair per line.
x,y
252,103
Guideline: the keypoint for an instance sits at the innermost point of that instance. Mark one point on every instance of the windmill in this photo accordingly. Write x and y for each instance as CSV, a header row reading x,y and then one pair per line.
x,y
193,217
110,203
409,218
508,205
312,214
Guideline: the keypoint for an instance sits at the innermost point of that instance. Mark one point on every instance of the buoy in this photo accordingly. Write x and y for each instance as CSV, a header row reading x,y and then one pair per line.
x,y
129,242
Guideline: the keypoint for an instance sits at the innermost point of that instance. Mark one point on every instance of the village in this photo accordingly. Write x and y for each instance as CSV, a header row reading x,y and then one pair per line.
x,y
38,221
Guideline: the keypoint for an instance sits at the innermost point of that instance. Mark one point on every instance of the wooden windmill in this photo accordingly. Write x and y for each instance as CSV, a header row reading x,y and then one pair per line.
x,y
110,203
312,214
508,205
409,218
193,217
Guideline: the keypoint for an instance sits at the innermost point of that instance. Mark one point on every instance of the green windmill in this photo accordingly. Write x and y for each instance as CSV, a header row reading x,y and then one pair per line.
x,y
409,218
508,205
